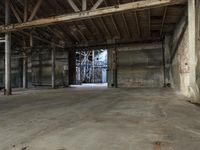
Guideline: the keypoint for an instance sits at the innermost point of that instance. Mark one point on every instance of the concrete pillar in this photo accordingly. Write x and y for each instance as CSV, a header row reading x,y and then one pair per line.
x,y
25,68
53,68
8,90
192,49
167,59
115,67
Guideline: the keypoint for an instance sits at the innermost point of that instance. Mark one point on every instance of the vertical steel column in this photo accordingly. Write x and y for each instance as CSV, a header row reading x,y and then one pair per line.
x,y
30,58
8,90
93,66
53,67
25,68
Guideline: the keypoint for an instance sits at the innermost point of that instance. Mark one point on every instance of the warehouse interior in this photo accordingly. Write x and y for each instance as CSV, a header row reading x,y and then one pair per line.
x,y
99,74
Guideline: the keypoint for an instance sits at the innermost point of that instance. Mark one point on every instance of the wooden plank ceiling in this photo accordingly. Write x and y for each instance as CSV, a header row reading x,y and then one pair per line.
x,y
131,26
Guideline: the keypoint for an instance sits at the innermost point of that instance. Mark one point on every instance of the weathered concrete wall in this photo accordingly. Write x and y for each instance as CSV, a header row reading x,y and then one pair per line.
x,y
140,68
38,75
42,68
15,73
185,55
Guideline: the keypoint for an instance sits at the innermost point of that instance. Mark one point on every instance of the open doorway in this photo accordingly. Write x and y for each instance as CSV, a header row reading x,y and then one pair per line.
x,y
91,67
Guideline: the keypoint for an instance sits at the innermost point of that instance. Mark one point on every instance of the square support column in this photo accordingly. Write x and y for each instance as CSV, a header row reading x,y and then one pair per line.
x,y
167,64
8,90
192,49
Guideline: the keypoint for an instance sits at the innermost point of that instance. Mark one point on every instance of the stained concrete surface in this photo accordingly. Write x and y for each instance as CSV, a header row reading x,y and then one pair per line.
x,y
98,119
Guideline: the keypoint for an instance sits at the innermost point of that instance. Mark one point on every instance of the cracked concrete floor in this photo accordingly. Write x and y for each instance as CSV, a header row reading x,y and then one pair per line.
x,y
98,119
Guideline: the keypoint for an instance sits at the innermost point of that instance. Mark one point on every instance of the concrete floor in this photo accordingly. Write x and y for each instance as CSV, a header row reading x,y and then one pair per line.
x,y
98,119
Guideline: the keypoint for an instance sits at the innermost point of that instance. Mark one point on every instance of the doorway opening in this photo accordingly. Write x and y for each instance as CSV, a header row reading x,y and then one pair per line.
x,y
91,67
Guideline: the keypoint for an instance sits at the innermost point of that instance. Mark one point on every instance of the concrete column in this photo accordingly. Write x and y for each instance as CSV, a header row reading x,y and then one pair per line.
x,y
8,90
115,67
25,68
167,60
192,49
53,67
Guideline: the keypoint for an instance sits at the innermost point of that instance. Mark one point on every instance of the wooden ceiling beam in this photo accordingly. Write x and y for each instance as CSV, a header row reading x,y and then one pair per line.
x,y
131,6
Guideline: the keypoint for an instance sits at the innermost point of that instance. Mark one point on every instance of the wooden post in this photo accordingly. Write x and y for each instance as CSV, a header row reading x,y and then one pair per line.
x,y
8,90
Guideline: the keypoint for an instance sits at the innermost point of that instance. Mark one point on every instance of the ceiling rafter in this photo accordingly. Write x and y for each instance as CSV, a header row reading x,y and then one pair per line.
x,y
149,16
113,22
35,9
48,27
125,22
97,4
102,20
26,4
84,5
73,5
80,32
163,20
15,12
89,31
137,23
134,6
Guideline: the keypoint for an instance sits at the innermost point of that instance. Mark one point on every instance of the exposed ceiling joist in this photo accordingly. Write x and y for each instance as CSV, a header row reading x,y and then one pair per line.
x,y
140,5
35,9
163,20
73,5
97,4
15,12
